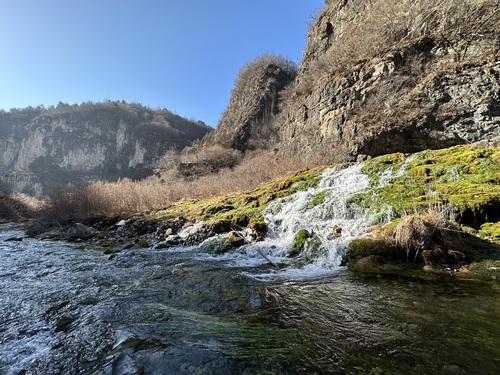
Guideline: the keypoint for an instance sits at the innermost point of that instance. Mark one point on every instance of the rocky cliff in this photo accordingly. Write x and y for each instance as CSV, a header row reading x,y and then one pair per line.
x,y
385,76
249,121
377,77
45,149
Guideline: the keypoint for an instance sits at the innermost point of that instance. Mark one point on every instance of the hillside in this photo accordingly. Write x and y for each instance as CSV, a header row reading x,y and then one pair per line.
x,y
43,149
378,77
386,76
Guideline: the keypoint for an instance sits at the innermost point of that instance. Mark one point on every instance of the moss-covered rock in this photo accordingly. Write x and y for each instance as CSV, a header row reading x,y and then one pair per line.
x,y
487,269
299,242
464,178
368,247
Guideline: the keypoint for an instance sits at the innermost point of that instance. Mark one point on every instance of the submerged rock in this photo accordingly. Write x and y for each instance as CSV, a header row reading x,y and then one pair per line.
x,y
79,231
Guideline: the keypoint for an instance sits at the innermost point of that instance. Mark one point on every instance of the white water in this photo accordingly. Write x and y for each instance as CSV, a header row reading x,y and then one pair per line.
x,y
286,216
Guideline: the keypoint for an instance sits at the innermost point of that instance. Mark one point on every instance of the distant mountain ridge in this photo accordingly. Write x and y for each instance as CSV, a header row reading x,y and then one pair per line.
x,y
43,149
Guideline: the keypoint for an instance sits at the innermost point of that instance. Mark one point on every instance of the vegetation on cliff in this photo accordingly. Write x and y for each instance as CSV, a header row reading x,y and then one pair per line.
x,y
43,149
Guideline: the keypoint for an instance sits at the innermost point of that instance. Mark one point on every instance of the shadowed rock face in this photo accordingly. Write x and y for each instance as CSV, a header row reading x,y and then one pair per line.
x,y
45,149
248,121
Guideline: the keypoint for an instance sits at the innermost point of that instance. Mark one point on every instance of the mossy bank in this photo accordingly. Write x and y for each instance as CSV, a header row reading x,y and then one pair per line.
x,y
435,209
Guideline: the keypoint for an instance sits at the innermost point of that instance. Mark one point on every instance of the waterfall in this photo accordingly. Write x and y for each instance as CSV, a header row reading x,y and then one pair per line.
x,y
324,214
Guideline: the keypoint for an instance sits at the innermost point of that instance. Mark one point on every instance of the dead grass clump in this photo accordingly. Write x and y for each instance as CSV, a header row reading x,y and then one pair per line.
x,y
17,206
429,236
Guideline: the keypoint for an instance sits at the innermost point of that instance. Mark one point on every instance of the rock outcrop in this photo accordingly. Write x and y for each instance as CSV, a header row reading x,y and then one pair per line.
x,y
377,77
45,149
386,76
250,119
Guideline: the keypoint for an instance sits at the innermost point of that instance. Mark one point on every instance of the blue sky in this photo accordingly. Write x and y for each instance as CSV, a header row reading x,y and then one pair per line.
x,y
177,54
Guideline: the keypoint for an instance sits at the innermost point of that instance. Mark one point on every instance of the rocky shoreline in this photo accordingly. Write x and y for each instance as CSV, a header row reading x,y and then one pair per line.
x,y
424,241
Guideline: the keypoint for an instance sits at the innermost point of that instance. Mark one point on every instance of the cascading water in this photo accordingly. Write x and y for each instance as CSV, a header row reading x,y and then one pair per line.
x,y
68,309
325,217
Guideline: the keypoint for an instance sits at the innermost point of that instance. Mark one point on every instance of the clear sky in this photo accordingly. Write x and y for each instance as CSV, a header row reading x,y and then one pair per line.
x,y
177,54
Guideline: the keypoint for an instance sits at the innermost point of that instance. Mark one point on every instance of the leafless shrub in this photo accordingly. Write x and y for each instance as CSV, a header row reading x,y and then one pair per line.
x,y
198,160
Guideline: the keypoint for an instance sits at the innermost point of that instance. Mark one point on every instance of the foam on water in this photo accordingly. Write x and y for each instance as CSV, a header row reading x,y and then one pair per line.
x,y
317,210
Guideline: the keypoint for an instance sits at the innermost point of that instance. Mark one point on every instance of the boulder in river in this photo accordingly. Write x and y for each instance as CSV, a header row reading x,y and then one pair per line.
x,y
79,231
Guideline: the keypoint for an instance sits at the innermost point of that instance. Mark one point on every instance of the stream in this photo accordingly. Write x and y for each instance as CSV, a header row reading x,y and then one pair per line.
x,y
67,309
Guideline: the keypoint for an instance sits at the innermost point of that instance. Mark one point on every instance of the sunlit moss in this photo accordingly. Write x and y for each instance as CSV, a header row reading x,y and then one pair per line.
x,y
466,178
246,208
490,231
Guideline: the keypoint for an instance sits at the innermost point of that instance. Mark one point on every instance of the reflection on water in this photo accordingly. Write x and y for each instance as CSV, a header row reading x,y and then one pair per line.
x,y
65,309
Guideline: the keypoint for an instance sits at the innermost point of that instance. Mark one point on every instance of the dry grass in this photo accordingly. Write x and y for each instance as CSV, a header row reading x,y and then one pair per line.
x,y
13,206
165,188
429,235
380,27
416,232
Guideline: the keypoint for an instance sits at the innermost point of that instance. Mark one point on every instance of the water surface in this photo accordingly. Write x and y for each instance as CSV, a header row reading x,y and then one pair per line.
x,y
69,309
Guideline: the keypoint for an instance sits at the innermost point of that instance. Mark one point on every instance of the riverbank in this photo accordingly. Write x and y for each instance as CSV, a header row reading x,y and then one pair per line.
x,y
436,211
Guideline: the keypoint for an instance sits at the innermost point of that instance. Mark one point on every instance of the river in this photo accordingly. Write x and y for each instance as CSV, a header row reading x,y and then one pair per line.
x,y
69,309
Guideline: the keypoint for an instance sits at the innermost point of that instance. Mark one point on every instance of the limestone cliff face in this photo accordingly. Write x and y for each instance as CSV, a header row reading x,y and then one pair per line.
x,y
45,149
385,76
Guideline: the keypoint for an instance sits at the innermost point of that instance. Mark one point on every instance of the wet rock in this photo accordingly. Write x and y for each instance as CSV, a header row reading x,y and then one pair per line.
x,y
13,239
216,245
299,242
201,233
63,324
369,254
336,232
236,239
79,231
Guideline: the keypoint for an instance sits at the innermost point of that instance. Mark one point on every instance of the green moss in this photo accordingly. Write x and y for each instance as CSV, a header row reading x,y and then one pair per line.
x,y
464,177
490,231
319,198
363,247
487,269
299,242
375,167
243,209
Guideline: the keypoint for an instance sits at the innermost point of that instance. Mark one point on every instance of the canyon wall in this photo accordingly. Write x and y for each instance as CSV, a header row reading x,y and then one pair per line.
x,y
45,149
